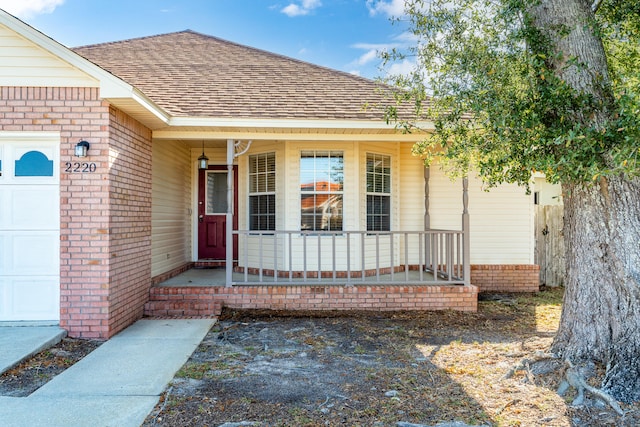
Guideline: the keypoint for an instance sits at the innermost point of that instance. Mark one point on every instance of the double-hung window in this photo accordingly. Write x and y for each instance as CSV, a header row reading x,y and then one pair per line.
x,y
262,191
321,190
378,192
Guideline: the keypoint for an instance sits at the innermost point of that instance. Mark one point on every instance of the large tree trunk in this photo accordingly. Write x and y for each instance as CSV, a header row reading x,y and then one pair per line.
x,y
601,313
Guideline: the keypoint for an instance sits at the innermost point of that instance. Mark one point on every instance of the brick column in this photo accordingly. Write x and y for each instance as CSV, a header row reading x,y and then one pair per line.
x,y
105,209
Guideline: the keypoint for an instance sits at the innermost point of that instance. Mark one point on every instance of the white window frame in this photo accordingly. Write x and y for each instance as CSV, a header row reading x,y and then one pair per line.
x,y
327,218
377,190
268,190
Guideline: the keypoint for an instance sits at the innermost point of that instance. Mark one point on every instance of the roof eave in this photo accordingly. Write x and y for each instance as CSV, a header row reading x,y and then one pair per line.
x,y
193,128
113,89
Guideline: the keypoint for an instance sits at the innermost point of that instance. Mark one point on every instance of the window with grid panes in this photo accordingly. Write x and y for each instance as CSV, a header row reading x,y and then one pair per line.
x,y
321,190
262,191
378,192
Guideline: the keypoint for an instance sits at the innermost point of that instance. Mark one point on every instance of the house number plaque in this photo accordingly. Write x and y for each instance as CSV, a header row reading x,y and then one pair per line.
x,y
77,167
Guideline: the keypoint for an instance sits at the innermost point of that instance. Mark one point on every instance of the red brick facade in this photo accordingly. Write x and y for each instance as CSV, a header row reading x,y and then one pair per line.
x,y
105,215
206,301
506,277
129,219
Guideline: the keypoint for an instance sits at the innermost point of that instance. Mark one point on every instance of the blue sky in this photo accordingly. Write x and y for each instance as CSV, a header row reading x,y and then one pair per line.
x,y
340,34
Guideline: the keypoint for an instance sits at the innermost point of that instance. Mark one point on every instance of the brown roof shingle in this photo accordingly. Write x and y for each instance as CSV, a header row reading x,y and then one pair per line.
x,y
195,75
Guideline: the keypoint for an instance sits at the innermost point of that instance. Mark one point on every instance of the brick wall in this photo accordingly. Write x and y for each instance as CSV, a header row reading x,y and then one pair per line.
x,y
506,278
99,293
129,219
204,301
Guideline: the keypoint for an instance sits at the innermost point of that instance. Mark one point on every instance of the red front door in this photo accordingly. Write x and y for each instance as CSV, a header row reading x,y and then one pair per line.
x,y
212,209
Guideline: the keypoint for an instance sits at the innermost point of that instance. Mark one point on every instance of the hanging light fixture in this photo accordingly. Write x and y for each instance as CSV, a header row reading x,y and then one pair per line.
x,y
203,161
81,149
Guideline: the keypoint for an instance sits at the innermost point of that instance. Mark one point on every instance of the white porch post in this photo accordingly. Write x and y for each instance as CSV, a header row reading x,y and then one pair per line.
x,y
230,208
466,250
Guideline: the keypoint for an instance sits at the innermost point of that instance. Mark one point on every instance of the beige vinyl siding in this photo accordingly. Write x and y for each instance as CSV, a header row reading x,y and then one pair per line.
x,y
171,213
411,191
26,64
501,220
548,194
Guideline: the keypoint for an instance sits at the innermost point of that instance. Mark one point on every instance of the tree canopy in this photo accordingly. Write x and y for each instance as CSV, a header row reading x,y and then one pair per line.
x,y
521,86
483,77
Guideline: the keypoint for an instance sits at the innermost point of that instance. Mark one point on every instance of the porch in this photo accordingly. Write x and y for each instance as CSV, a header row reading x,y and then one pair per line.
x,y
323,270
204,295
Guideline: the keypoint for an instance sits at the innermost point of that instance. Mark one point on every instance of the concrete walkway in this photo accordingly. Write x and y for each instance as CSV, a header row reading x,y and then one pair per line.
x,y
118,384
20,342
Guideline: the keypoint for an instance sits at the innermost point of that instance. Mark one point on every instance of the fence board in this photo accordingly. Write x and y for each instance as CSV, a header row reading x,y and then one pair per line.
x,y
550,244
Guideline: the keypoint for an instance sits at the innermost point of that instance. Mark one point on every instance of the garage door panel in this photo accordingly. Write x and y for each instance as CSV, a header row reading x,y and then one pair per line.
x,y
29,226
30,298
34,209
35,253
4,207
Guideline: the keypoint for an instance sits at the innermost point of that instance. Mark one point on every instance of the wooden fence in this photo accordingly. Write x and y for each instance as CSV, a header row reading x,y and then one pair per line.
x,y
550,244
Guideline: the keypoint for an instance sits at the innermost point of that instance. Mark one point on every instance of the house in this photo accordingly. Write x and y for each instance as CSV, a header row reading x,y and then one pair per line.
x,y
127,164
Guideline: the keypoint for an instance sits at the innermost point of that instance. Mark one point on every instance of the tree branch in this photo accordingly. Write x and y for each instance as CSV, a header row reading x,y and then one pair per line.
x,y
596,5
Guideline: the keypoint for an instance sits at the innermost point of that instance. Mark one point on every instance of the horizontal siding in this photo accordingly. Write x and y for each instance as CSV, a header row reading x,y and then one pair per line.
x,y
171,215
26,64
501,220
548,194
411,190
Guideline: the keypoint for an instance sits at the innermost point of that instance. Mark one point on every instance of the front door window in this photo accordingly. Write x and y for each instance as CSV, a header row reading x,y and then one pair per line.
x,y
216,192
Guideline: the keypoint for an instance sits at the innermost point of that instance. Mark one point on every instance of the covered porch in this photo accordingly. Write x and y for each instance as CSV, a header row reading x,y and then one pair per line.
x,y
321,269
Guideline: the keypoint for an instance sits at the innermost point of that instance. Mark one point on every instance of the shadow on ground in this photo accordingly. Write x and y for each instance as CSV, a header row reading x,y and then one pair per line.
x,y
368,369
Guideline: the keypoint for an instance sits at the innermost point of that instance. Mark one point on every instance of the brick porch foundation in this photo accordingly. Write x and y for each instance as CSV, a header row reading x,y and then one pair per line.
x,y
506,277
208,301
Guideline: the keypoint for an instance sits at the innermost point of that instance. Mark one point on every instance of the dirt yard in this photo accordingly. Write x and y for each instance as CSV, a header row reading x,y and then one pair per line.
x,y
269,369
375,369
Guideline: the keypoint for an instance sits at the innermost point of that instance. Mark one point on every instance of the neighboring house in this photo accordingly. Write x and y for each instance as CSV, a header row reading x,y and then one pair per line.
x,y
307,199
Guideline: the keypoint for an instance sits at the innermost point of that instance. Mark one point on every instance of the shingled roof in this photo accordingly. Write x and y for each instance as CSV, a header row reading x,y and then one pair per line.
x,y
195,75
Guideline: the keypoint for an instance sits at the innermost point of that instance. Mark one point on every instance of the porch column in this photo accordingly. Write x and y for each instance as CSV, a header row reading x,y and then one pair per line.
x,y
230,208
466,250
427,217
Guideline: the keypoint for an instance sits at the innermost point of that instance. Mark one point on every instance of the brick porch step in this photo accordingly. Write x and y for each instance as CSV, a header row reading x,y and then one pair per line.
x,y
181,302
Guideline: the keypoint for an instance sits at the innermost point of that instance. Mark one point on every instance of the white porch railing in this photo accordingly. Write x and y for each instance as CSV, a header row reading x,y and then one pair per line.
x,y
431,257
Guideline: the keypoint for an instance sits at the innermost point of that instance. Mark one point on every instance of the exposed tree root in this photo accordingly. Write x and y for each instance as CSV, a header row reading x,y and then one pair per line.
x,y
573,377
525,364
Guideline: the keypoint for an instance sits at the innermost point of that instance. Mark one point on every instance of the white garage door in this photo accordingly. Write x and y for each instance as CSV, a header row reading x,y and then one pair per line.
x,y
29,227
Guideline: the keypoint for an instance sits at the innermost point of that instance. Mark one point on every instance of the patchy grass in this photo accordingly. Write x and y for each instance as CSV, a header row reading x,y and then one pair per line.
x,y
377,369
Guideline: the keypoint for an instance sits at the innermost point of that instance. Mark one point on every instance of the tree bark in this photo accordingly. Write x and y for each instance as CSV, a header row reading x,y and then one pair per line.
x,y
601,313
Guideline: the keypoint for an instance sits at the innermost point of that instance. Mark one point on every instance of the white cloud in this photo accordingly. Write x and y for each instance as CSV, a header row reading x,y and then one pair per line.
x,y
407,38
391,8
302,8
369,56
29,8
401,68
